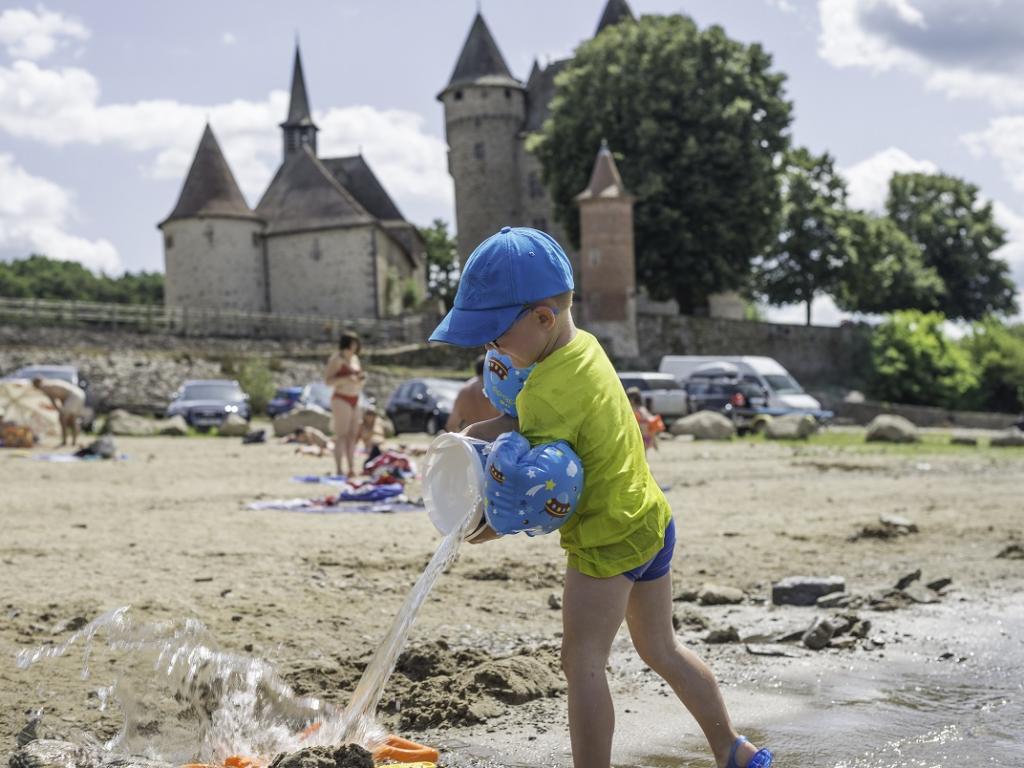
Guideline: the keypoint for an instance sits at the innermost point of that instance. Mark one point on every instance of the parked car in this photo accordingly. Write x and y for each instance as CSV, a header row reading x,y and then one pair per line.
x,y
783,390
285,398
422,405
661,393
205,403
68,373
723,387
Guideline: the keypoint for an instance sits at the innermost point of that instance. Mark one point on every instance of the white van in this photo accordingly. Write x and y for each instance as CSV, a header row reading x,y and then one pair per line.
x,y
783,390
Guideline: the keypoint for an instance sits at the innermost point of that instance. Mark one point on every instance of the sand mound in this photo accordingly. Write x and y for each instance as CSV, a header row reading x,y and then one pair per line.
x,y
347,756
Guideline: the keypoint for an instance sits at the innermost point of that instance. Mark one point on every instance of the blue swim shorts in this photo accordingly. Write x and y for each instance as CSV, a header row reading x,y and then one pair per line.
x,y
660,564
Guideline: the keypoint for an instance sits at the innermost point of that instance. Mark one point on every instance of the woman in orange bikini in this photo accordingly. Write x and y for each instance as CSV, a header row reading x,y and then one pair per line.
x,y
346,375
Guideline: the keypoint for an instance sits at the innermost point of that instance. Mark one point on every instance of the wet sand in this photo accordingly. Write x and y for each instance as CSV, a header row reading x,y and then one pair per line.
x,y
166,532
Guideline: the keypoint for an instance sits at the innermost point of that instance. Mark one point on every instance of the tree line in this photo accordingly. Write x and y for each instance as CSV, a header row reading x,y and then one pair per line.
x,y
39,277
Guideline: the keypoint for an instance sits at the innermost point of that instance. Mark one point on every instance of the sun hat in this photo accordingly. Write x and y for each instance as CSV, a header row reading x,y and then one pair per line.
x,y
505,273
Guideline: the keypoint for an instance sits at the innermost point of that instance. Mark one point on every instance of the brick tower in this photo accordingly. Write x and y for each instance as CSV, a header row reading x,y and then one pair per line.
x,y
607,271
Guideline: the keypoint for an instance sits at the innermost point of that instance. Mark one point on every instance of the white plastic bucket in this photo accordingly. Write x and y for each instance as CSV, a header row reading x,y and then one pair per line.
x,y
453,482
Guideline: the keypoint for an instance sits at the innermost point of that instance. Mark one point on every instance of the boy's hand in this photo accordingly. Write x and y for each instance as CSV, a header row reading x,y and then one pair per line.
x,y
489,430
485,533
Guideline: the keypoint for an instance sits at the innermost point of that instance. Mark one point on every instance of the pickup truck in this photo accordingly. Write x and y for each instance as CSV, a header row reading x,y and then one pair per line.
x,y
661,393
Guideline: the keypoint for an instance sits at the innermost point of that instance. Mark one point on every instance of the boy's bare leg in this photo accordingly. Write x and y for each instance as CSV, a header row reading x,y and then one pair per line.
x,y
649,616
592,612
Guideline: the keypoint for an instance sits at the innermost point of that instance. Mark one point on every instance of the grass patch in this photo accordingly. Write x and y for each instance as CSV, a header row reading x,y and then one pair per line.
x,y
930,443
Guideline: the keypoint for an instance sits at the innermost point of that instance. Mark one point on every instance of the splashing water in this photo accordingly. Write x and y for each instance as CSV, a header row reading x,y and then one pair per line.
x,y
225,704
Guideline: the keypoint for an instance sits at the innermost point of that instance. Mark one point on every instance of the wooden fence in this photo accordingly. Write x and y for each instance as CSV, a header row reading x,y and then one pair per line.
x,y
183,321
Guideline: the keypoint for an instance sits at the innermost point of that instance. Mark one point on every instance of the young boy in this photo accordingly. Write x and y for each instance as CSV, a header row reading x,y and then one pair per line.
x,y
515,296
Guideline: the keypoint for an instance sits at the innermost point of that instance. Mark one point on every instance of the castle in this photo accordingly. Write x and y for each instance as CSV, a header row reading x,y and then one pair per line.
x,y
325,239
488,115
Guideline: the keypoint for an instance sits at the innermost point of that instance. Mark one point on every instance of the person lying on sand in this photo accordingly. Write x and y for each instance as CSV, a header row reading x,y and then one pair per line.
x,y
311,440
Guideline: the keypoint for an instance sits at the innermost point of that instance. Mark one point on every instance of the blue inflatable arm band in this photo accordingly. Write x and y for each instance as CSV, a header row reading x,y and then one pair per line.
x,y
530,490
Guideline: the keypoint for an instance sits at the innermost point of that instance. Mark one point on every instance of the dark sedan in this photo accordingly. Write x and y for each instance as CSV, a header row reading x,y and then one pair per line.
x,y
206,403
285,398
422,405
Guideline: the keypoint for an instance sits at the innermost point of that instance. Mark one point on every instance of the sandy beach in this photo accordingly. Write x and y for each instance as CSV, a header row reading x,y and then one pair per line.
x,y
166,532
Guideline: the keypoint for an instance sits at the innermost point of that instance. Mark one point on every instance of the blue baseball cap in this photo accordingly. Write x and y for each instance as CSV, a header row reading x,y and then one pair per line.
x,y
505,273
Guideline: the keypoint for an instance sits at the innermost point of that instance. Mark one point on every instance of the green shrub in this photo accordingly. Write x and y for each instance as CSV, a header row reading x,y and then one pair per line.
x,y
915,362
997,352
257,381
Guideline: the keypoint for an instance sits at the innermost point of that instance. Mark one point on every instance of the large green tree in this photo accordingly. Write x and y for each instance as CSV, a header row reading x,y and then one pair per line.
x,y
998,353
885,270
812,246
442,262
39,277
697,122
957,234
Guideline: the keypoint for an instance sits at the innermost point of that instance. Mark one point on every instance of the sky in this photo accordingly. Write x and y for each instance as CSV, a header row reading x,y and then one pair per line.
x,y
102,104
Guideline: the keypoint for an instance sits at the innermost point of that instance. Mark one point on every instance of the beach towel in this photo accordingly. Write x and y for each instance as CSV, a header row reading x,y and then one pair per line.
x,y
321,479
320,507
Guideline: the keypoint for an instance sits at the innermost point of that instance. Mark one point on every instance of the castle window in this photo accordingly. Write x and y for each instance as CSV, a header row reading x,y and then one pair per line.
x,y
458,95
533,182
478,150
168,241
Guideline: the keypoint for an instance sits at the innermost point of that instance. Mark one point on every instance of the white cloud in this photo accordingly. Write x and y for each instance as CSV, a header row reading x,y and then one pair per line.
x,y
783,5
964,50
228,38
1003,140
34,214
37,34
869,179
823,312
62,106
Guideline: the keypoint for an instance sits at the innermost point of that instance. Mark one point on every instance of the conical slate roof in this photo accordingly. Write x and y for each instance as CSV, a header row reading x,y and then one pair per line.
x,y
210,188
480,62
356,176
298,108
605,181
614,12
304,195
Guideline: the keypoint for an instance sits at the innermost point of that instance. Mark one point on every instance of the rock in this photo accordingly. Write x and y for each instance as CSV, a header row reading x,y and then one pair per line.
x,y
963,438
843,643
939,584
920,594
713,594
888,428
345,756
689,617
233,426
818,634
890,600
1009,438
757,649
861,628
122,423
705,425
723,635
792,426
1012,552
307,416
555,601
176,426
843,623
834,600
805,590
897,521
910,578
686,596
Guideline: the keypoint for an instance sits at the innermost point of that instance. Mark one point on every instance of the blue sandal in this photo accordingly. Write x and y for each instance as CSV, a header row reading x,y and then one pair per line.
x,y
763,758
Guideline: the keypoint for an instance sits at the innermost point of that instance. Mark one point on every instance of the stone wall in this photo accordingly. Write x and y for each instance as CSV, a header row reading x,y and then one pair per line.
x,y
140,372
817,356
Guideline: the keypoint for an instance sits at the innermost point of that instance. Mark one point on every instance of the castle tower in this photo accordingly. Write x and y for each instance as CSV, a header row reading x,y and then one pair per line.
x,y
484,110
615,11
607,279
299,129
213,249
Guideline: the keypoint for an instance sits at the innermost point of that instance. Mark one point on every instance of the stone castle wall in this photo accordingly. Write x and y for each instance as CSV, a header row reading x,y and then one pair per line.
x,y
214,263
